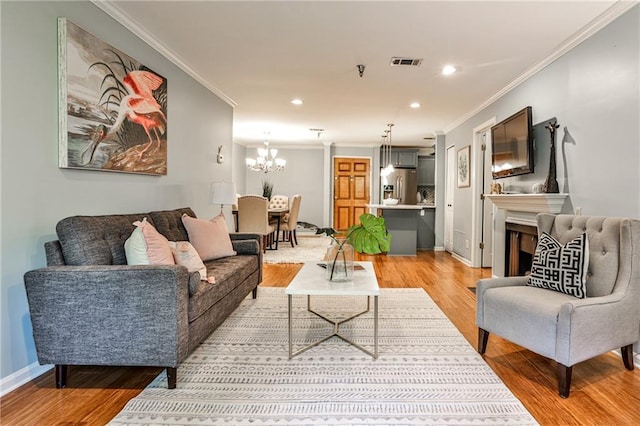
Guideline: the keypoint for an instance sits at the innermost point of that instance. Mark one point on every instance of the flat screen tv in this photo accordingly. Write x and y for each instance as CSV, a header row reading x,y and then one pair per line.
x,y
512,145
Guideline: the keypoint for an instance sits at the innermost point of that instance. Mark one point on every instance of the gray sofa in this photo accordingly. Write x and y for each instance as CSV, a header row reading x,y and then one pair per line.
x,y
88,307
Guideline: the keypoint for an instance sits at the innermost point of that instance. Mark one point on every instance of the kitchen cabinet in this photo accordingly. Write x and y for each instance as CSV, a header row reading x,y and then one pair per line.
x,y
426,170
402,158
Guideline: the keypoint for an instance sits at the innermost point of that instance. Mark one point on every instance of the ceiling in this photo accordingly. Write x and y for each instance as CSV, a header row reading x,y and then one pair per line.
x,y
258,56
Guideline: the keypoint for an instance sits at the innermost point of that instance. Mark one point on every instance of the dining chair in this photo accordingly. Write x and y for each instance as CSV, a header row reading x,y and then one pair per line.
x,y
278,201
290,221
253,217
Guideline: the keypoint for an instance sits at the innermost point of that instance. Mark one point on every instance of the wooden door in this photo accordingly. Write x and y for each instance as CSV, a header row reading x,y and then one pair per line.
x,y
351,178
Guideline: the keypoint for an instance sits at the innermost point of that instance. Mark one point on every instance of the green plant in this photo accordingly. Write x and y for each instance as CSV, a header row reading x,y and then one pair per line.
x,y
267,189
368,237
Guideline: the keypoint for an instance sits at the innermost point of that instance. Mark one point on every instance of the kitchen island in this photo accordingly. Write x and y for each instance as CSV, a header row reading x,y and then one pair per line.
x,y
402,223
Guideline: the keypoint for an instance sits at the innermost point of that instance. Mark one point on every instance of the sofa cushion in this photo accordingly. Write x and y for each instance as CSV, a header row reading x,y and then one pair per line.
x,y
210,238
169,223
560,267
229,273
95,240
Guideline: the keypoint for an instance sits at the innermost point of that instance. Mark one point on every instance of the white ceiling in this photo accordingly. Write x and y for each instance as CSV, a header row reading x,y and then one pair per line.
x,y
261,55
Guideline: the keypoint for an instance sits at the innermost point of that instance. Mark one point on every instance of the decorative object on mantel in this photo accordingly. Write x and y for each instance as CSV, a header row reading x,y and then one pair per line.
x,y
266,161
112,108
496,188
370,236
267,189
551,184
537,188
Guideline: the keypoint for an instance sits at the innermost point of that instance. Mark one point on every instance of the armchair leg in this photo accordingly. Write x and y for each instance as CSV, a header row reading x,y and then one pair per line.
x,y
295,236
61,376
172,377
254,293
564,380
627,356
483,338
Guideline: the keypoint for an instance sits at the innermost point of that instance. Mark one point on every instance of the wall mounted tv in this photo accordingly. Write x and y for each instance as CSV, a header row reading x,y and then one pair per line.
x,y
512,145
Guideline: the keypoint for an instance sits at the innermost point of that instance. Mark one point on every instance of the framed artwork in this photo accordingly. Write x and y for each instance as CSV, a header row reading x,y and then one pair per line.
x,y
112,109
463,166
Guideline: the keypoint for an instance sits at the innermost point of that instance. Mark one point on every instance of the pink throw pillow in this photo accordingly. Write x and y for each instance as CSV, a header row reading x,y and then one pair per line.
x,y
186,255
158,249
210,238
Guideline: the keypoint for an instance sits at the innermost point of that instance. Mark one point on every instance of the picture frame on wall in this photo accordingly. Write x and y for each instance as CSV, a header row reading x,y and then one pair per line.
x,y
112,108
463,166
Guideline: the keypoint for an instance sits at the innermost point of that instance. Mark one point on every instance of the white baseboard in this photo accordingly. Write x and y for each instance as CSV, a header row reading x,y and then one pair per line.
x,y
438,248
22,376
461,259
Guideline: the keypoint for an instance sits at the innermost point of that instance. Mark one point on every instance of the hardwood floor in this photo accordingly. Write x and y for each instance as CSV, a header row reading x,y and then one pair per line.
x,y
602,392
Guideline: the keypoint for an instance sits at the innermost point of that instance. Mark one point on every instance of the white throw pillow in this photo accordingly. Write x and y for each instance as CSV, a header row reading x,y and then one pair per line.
x,y
136,249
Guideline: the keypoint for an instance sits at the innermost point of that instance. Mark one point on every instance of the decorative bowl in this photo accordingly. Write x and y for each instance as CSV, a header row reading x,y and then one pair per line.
x,y
390,201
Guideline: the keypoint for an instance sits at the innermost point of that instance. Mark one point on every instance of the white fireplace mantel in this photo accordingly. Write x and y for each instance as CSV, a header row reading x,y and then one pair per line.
x,y
533,203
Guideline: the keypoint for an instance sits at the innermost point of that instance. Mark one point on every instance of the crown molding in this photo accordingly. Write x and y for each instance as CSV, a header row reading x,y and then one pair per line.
x,y
111,8
613,12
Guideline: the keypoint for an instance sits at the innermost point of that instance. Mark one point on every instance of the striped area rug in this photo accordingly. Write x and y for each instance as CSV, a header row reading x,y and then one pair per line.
x,y
426,373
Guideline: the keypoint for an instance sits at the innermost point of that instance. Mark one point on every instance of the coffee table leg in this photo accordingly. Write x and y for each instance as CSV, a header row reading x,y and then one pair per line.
x,y
290,344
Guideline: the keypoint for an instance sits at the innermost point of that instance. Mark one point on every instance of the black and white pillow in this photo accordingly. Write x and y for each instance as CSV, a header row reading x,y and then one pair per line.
x,y
561,268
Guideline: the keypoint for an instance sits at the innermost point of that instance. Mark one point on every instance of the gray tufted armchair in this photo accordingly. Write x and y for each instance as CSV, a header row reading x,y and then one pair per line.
x,y
561,327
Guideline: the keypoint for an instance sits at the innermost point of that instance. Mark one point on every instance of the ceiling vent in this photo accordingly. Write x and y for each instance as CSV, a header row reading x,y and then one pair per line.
x,y
396,62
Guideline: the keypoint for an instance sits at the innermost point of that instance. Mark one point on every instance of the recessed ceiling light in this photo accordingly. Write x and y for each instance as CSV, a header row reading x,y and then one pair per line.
x,y
448,70
297,101
414,105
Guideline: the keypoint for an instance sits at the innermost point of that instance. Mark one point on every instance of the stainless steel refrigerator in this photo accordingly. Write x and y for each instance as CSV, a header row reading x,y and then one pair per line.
x,y
401,184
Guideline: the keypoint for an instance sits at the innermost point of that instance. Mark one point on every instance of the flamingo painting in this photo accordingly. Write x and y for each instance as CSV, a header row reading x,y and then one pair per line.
x,y
116,116
140,107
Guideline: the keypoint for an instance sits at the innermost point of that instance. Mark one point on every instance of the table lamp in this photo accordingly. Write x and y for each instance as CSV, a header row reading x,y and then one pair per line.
x,y
223,193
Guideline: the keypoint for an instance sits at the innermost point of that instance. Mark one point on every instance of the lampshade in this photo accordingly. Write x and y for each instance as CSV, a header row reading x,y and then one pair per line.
x,y
223,193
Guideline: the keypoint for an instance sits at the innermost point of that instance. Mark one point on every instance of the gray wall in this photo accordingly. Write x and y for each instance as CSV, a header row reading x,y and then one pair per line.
x,y
593,92
36,194
302,175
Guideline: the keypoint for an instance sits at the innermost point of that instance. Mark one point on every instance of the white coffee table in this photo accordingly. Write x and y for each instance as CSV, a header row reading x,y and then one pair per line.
x,y
311,281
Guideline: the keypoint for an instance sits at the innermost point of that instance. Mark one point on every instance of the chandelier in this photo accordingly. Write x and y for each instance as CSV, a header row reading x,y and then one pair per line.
x,y
266,161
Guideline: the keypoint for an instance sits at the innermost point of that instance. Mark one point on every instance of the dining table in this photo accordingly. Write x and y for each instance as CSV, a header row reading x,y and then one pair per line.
x,y
278,213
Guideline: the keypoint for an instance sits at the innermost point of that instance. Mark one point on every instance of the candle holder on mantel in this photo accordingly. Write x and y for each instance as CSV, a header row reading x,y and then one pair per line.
x,y
551,184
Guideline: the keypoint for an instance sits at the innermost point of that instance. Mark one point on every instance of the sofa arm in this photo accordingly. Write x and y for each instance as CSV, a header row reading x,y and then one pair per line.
x,y
243,243
594,325
488,283
246,246
109,315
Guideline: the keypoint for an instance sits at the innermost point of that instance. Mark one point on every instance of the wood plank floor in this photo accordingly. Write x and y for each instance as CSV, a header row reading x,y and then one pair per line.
x,y
602,393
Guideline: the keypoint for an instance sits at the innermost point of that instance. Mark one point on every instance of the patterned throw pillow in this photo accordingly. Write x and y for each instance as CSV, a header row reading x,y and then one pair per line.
x,y
561,268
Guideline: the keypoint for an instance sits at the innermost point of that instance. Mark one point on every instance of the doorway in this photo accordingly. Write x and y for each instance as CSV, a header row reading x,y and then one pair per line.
x,y
482,209
450,179
351,191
